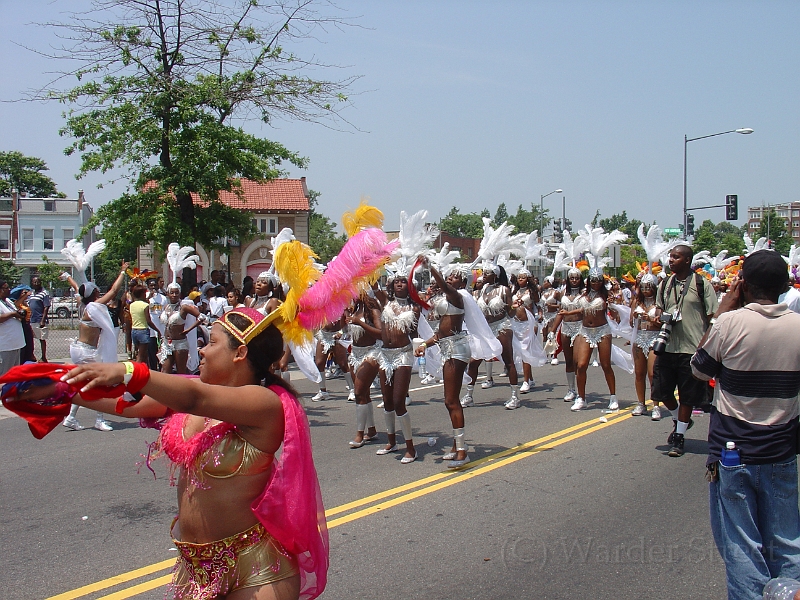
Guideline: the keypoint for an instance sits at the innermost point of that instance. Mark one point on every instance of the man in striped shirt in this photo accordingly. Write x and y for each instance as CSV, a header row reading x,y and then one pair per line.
x,y
753,351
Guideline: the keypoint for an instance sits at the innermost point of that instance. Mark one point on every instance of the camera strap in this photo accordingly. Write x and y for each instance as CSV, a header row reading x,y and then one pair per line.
x,y
684,291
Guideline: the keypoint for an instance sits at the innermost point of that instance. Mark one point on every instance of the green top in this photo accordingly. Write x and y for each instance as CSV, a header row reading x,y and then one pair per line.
x,y
687,332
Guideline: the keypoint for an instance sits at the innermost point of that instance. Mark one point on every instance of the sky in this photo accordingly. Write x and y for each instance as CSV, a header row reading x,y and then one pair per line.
x,y
470,104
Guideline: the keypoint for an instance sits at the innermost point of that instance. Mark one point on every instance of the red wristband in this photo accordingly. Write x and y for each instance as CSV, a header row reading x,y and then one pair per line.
x,y
139,379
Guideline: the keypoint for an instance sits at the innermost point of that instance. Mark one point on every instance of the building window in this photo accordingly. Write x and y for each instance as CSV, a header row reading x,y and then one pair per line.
x,y
782,213
755,214
27,239
266,225
754,225
796,213
5,239
68,234
47,239
49,206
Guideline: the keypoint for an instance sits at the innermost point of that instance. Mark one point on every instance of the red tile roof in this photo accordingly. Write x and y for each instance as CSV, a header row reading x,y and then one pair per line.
x,y
276,195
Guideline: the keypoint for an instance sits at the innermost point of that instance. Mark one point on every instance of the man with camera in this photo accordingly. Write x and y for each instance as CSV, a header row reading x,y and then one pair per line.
x,y
687,303
753,350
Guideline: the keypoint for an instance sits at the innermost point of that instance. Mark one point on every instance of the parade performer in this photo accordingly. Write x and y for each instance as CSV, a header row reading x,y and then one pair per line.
x,y
568,321
363,322
327,344
494,300
246,520
179,317
97,339
593,307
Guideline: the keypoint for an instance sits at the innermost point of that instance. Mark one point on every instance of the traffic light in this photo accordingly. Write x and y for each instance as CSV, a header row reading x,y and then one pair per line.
x,y
690,224
731,207
558,233
567,225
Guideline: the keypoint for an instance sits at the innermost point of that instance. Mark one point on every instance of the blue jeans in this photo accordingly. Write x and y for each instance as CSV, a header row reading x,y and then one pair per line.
x,y
756,525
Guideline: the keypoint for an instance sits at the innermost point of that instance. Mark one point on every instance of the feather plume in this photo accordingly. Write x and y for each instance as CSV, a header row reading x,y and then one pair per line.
x,y
511,266
562,262
362,217
444,258
598,241
750,247
415,239
80,258
362,256
701,258
535,250
572,247
294,265
719,262
793,259
499,241
654,245
180,258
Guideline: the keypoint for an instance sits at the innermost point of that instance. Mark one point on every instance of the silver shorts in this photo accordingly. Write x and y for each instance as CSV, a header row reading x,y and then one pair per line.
x,y
391,359
327,339
500,326
570,329
645,340
81,353
593,335
358,354
547,318
455,347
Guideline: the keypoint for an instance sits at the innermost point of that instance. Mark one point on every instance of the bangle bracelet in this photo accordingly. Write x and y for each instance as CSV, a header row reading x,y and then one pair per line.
x,y
141,375
126,379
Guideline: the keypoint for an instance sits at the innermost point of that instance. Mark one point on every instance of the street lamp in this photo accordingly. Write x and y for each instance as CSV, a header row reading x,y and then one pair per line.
x,y
541,211
686,140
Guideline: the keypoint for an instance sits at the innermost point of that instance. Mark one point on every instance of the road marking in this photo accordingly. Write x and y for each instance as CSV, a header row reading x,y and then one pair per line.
x,y
403,493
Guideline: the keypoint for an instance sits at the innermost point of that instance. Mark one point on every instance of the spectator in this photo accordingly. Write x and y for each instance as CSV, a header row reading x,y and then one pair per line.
x,y
39,303
691,302
754,512
141,323
12,339
19,296
216,303
157,301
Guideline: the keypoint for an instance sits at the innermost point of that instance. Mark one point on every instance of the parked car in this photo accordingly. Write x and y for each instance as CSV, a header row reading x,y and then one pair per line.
x,y
63,307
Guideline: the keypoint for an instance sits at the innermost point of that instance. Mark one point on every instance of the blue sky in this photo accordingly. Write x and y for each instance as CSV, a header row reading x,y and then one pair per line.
x,y
470,104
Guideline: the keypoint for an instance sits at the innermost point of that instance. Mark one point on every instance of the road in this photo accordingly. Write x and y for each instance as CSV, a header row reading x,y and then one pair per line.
x,y
556,505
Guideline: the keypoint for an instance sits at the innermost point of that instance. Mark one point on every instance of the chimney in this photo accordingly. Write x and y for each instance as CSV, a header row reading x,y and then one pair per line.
x,y
81,200
14,199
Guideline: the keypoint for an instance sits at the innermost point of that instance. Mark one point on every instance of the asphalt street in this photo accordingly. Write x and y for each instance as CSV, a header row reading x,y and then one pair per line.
x,y
555,505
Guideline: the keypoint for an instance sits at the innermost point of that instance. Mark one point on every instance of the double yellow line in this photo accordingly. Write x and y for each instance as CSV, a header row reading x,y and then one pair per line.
x,y
375,503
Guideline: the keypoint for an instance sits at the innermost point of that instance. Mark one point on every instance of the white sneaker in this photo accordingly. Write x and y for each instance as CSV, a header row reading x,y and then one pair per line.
x,y
408,400
71,423
512,403
103,425
554,362
487,384
578,405
427,380
570,396
321,395
638,411
656,414
380,405
351,397
524,388
595,363
467,401
613,404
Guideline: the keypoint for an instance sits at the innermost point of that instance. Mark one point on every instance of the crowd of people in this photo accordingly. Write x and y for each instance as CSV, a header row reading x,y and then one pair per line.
x,y
428,312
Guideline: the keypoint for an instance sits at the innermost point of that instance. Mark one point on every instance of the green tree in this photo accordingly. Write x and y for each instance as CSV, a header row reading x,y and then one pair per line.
x,y
469,225
774,229
500,215
164,85
535,219
705,238
10,273
322,236
616,221
25,174
49,273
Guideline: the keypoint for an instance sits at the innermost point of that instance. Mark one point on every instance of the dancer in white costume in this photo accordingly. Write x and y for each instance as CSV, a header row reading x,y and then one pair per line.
x,y
364,324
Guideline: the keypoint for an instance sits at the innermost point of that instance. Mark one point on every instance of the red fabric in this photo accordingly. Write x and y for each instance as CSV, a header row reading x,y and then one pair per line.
x,y
140,377
412,289
43,419
290,507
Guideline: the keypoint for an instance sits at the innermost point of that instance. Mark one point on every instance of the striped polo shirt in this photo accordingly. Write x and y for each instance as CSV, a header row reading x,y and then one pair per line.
x,y
754,354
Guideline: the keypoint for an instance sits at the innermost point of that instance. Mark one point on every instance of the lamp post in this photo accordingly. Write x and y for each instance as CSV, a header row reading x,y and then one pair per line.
x,y
541,211
686,141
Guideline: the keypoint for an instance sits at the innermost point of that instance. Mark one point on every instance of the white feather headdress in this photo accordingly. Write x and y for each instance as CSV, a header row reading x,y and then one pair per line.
x,y
561,263
793,259
443,259
701,258
499,241
80,258
761,244
415,237
572,248
655,247
180,258
719,262
598,241
510,265
535,250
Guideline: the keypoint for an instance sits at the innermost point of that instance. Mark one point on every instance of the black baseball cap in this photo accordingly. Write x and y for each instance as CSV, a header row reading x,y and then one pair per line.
x,y
765,269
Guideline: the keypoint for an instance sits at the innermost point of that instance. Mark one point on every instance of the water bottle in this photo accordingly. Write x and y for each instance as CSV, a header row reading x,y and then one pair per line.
x,y
781,589
730,455
422,372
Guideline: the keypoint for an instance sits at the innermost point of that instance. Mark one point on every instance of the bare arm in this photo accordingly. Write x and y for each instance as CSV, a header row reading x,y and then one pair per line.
x,y
451,293
116,287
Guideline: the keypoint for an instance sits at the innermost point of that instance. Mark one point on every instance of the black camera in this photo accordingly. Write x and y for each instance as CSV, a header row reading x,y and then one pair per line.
x,y
662,339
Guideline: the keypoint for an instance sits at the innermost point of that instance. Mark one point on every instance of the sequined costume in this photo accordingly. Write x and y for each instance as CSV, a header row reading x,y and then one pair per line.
x,y
391,359
326,338
358,354
645,340
593,335
456,347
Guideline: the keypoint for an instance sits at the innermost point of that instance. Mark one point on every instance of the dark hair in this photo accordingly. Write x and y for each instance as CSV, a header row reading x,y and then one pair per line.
x,y
502,278
640,293
237,293
262,352
139,292
581,283
84,299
